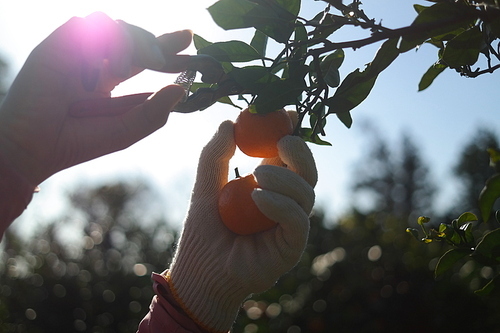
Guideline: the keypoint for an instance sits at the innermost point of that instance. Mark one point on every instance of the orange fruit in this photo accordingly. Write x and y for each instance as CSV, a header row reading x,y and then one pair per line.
x,y
238,211
258,134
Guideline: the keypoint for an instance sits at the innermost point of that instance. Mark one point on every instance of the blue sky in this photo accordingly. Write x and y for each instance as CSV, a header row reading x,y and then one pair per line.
x,y
440,120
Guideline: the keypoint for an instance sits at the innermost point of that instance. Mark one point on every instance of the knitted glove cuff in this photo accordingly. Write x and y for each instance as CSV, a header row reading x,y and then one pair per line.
x,y
209,296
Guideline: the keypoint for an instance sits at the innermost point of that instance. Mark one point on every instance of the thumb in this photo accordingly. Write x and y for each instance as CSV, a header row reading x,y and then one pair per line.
x,y
213,166
157,109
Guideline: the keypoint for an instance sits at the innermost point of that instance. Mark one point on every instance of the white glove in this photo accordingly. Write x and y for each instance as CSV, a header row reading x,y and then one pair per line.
x,y
214,269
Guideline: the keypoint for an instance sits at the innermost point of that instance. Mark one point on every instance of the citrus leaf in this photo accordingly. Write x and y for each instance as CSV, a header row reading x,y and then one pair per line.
x,y
232,51
466,217
330,67
430,76
231,14
278,94
227,100
307,135
259,42
488,249
386,54
357,85
199,42
449,259
345,118
419,8
464,49
492,285
293,6
488,196
253,78
352,91
267,16
437,20
300,36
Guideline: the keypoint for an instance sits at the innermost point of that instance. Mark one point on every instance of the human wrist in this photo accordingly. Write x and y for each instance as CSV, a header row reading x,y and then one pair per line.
x,y
16,193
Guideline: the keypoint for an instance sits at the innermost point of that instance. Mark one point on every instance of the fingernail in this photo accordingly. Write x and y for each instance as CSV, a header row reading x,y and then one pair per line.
x,y
146,51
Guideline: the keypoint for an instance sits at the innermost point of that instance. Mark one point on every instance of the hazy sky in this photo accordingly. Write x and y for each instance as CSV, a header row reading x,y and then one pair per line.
x,y
440,120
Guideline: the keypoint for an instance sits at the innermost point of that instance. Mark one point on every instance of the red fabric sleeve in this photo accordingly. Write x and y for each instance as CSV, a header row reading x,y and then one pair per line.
x,y
15,194
165,315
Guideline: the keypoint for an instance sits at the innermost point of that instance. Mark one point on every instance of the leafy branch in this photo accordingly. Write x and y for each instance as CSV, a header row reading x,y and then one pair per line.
x,y
461,233
305,72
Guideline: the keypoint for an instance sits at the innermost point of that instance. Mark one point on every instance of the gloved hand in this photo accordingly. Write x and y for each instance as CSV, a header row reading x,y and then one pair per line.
x,y
84,59
214,270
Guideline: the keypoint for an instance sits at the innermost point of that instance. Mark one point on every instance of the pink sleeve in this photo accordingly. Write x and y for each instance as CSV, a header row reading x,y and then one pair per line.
x,y
15,194
165,315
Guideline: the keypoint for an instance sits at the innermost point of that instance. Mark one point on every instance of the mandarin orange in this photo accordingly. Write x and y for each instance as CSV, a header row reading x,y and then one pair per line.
x,y
257,135
238,211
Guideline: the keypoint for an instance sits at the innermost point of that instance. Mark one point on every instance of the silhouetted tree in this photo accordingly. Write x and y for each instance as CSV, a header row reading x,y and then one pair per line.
x,y
473,169
399,183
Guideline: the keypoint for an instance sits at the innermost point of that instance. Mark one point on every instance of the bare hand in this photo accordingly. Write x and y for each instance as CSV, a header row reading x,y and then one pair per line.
x,y
83,59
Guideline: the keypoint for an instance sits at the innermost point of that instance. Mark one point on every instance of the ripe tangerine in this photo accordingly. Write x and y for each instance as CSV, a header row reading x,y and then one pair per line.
x,y
238,211
257,135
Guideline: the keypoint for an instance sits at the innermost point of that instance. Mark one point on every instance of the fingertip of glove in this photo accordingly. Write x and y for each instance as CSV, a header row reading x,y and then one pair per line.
x,y
222,143
295,153
226,130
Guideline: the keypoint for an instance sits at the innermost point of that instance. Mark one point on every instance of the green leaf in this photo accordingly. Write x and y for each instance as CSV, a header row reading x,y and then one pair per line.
x,y
199,42
436,20
345,118
307,135
253,78
293,6
330,67
430,76
449,234
227,100
386,54
419,8
466,217
300,36
487,250
449,259
317,113
491,286
232,51
278,94
357,85
488,196
232,14
494,27
352,91
464,49
259,42
268,16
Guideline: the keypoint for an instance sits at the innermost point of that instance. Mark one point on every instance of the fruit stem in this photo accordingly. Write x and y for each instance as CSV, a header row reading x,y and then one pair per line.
x,y
237,172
